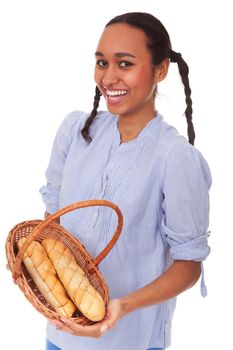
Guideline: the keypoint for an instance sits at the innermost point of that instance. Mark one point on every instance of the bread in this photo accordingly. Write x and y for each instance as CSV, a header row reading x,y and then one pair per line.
x,y
45,277
76,283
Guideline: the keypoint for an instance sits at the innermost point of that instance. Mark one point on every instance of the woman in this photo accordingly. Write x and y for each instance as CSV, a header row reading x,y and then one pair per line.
x,y
132,157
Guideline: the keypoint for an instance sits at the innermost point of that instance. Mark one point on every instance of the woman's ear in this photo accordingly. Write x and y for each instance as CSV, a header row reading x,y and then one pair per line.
x,y
161,70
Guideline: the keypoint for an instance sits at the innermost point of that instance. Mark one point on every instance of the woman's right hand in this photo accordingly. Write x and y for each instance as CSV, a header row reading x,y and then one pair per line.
x,y
68,325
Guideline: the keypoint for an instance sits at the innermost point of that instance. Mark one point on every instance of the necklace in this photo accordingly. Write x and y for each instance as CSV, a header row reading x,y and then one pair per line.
x,y
132,136
129,138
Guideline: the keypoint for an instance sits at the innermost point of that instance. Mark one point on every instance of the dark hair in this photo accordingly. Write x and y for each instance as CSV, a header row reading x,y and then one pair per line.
x,y
160,47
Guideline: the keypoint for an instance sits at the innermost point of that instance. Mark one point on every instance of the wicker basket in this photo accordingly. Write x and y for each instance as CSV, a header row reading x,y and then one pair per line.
x,y
40,229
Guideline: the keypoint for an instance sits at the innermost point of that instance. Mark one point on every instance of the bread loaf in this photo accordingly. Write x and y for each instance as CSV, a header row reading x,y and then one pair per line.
x,y
77,285
45,277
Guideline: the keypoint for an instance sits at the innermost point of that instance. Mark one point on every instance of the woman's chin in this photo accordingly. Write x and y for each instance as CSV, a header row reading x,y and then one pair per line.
x,y
115,110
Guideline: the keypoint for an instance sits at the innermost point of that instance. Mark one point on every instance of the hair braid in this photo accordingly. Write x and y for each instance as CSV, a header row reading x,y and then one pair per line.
x,y
85,129
184,71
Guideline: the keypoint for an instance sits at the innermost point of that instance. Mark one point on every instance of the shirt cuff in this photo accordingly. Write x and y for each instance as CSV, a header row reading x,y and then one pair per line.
x,y
50,197
196,249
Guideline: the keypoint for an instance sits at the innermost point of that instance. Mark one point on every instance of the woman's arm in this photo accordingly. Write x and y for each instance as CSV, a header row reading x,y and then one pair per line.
x,y
179,277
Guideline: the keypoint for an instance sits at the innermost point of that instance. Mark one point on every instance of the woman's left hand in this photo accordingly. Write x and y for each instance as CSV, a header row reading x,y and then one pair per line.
x,y
113,314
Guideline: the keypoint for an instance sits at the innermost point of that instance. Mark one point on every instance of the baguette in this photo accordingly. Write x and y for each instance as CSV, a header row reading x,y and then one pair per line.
x,y
45,277
76,283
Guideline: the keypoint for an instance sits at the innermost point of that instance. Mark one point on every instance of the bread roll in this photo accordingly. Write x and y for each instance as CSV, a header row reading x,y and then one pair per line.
x,y
45,277
85,297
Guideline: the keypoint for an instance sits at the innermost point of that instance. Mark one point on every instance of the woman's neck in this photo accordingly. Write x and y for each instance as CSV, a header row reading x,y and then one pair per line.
x,y
131,125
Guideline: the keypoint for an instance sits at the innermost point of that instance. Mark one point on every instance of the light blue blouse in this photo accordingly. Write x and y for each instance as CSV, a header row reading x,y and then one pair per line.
x,y
160,183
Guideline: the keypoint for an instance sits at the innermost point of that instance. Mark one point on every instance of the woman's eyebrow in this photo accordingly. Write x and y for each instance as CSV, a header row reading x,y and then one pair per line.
x,y
117,54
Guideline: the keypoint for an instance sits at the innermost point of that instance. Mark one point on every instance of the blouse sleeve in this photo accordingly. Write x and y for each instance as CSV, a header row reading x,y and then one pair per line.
x,y
186,184
54,173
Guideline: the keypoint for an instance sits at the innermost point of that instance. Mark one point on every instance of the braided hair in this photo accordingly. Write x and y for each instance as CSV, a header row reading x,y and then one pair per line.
x,y
159,45
85,130
184,71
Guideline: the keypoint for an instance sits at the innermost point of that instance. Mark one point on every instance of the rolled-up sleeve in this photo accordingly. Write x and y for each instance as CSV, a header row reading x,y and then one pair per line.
x,y
186,184
54,173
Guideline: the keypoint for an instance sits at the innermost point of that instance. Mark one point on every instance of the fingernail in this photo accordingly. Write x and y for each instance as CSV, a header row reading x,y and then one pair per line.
x,y
104,328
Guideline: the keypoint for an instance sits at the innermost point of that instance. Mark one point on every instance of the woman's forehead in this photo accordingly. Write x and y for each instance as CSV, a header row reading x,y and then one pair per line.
x,y
121,37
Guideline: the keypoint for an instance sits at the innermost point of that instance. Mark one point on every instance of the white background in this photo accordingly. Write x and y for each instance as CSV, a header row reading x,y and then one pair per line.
x,y
46,71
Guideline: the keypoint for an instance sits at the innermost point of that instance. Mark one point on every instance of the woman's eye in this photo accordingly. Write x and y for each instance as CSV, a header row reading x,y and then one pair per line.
x,y
125,64
122,64
101,63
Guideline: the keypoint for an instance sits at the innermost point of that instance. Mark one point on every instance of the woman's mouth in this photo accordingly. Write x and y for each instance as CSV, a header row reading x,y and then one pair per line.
x,y
116,96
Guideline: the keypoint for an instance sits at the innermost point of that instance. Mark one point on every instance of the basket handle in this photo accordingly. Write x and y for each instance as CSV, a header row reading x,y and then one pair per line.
x,y
52,217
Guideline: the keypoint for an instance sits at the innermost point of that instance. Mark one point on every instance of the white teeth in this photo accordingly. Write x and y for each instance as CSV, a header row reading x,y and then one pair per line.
x,y
116,92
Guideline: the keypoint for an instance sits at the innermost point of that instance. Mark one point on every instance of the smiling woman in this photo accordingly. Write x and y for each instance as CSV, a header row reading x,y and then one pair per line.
x,y
129,155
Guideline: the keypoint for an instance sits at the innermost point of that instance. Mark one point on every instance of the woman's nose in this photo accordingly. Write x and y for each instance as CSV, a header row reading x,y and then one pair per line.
x,y
109,77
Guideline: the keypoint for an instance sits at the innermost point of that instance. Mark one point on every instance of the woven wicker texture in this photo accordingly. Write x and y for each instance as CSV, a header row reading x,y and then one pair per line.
x,y
41,229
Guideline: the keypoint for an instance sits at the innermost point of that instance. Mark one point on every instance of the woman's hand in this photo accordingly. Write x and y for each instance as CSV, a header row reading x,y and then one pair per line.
x,y
68,325
113,314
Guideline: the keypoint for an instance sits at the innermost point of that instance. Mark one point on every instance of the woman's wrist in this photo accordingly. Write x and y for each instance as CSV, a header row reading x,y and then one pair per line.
x,y
127,305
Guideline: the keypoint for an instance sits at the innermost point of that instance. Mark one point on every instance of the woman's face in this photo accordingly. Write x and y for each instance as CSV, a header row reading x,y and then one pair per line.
x,y
124,72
